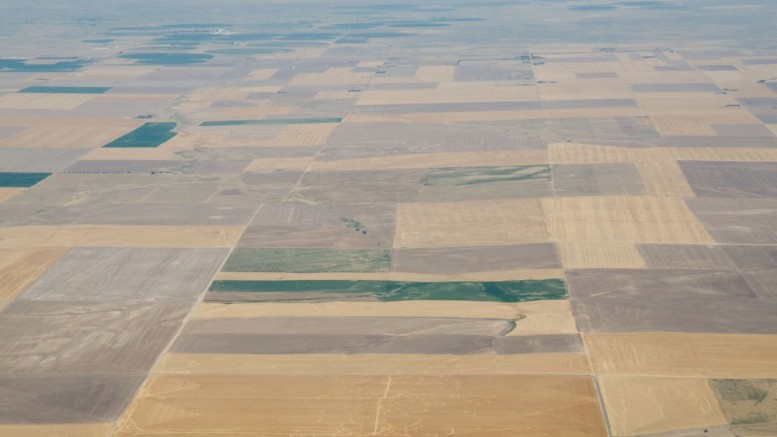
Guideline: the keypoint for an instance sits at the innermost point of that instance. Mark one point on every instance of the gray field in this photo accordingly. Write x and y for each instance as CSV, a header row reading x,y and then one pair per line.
x,y
686,256
615,179
314,343
106,274
732,179
474,259
657,284
737,221
37,160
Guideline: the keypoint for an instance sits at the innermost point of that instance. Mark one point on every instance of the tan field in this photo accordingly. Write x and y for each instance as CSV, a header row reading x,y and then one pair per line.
x,y
43,101
435,73
502,275
302,135
480,223
120,236
279,164
642,405
436,160
253,113
595,255
625,219
59,430
336,95
131,153
7,193
366,364
464,116
333,76
367,405
575,153
664,178
448,95
73,137
20,267
532,318
684,354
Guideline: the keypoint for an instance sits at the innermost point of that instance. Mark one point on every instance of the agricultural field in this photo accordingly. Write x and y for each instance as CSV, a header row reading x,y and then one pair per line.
x,y
355,218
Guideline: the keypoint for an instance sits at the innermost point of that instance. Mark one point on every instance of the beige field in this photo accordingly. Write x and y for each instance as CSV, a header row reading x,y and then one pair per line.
x,y
435,73
365,364
502,275
66,137
479,223
575,153
368,405
7,193
684,354
448,95
333,76
263,73
598,255
642,405
624,219
303,135
20,267
279,164
436,160
58,430
336,95
43,101
131,153
210,94
664,178
592,112
533,318
253,113
120,236
465,116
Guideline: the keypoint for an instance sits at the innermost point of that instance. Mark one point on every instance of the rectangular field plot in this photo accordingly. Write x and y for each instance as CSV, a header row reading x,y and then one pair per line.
x,y
732,179
624,219
368,405
749,404
358,186
685,256
308,260
597,179
65,89
460,224
738,221
271,121
388,291
102,274
637,405
454,260
59,399
21,180
684,354
73,338
148,135
479,183
20,267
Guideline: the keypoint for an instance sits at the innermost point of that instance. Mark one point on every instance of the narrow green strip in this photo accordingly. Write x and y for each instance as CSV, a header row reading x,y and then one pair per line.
x,y
65,89
271,121
21,180
388,291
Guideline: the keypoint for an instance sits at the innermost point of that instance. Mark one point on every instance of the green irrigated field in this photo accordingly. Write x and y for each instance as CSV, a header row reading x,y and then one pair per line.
x,y
308,260
21,180
389,291
148,135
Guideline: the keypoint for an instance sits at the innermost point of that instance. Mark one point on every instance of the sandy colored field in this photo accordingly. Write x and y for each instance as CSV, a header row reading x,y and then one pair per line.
x,y
505,275
43,101
20,267
70,121
684,354
640,405
597,255
606,112
211,94
7,193
279,164
580,90
448,95
333,76
479,223
253,113
57,136
575,153
664,178
302,135
534,318
263,73
336,95
436,160
130,153
382,364
624,219
368,405
773,128
465,116
120,236
435,73
673,126
63,430
115,72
